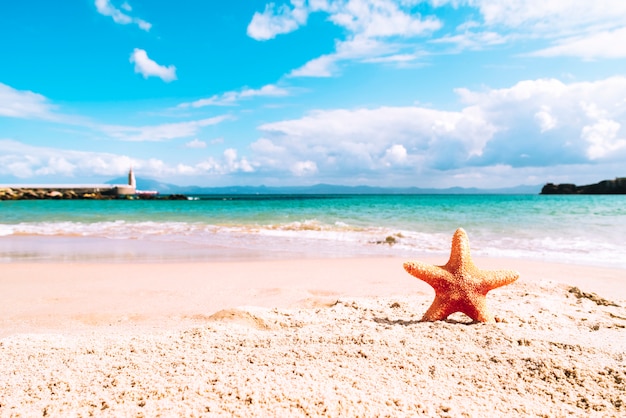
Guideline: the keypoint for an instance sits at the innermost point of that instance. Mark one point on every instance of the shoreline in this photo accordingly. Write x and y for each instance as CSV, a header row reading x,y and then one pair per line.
x,y
81,249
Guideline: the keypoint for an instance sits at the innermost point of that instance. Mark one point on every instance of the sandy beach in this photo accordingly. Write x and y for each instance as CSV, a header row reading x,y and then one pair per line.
x,y
313,337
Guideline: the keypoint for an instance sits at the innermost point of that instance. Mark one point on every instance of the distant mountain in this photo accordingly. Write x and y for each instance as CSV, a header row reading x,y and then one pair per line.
x,y
166,188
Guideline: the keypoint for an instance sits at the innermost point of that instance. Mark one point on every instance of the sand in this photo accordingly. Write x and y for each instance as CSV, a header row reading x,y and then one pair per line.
x,y
332,337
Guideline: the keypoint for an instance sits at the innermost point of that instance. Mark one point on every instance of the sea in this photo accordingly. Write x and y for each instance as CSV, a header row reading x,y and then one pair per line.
x,y
579,229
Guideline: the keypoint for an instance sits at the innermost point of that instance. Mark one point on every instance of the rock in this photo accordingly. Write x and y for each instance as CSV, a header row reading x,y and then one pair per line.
x,y
7,194
31,194
617,186
177,197
54,194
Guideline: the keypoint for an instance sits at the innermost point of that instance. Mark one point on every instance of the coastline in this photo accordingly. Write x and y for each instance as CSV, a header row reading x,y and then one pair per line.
x,y
302,337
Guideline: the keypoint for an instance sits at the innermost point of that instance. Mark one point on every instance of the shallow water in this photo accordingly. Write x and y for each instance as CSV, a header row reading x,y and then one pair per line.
x,y
577,229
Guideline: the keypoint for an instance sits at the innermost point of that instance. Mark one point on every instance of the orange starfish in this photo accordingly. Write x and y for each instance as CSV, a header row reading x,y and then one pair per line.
x,y
460,286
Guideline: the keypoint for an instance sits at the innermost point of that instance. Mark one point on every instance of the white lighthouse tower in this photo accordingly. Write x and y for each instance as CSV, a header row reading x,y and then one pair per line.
x,y
127,189
131,179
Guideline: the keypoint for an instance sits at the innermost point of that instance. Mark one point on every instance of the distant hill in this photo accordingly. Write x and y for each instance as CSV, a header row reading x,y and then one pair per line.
x,y
166,188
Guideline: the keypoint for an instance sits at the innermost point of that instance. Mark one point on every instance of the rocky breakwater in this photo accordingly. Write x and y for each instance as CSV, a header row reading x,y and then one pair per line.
x,y
617,186
39,194
78,194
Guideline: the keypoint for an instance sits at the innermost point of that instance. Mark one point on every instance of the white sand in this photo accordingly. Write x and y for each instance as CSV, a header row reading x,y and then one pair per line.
x,y
305,338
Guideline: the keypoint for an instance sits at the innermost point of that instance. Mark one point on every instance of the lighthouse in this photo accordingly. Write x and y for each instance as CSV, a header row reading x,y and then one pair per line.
x,y
127,189
131,179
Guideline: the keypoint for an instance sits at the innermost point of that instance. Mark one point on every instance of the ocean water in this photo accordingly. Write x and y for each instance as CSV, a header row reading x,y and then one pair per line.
x,y
572,229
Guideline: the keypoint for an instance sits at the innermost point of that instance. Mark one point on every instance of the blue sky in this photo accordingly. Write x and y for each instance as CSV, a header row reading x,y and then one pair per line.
x,y
426,93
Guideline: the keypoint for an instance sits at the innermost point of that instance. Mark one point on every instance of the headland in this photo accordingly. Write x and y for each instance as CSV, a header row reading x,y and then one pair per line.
x,y
617,186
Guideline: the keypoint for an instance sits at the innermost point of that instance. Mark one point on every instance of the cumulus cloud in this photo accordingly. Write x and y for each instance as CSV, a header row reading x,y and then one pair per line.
x,y
303,168
395,155
149,68
104,7
602,138
365,140
516,127
161,132
545,119
231,98
24,104
229,163
25,161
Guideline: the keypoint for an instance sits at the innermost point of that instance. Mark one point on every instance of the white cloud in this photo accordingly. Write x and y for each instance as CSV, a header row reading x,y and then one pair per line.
x,y
149,68
303,168
360,48
196,144
369,24
556,16
578,28
161,132
381,18
516,127
268,90
24,104
602,138
472,40
323,66
24,161
277,20
367,139
227,164
605,44
396,154
396,58
104,7
232,97
545,119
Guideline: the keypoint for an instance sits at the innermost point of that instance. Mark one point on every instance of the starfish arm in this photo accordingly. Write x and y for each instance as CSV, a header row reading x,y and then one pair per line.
x,y
428,273
479,311
498,278
439,310
460,251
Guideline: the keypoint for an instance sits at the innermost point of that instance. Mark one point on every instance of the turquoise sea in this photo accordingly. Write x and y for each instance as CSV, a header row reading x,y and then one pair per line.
x,y
573,229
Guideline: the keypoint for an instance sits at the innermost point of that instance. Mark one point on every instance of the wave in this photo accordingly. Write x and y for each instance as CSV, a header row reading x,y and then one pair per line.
x,y
339,238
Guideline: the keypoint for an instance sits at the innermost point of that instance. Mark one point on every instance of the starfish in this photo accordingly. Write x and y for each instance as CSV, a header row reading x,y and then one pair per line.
x,y
459,285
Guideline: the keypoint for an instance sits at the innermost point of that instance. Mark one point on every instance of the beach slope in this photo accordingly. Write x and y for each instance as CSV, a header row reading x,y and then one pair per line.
x,y
305,338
